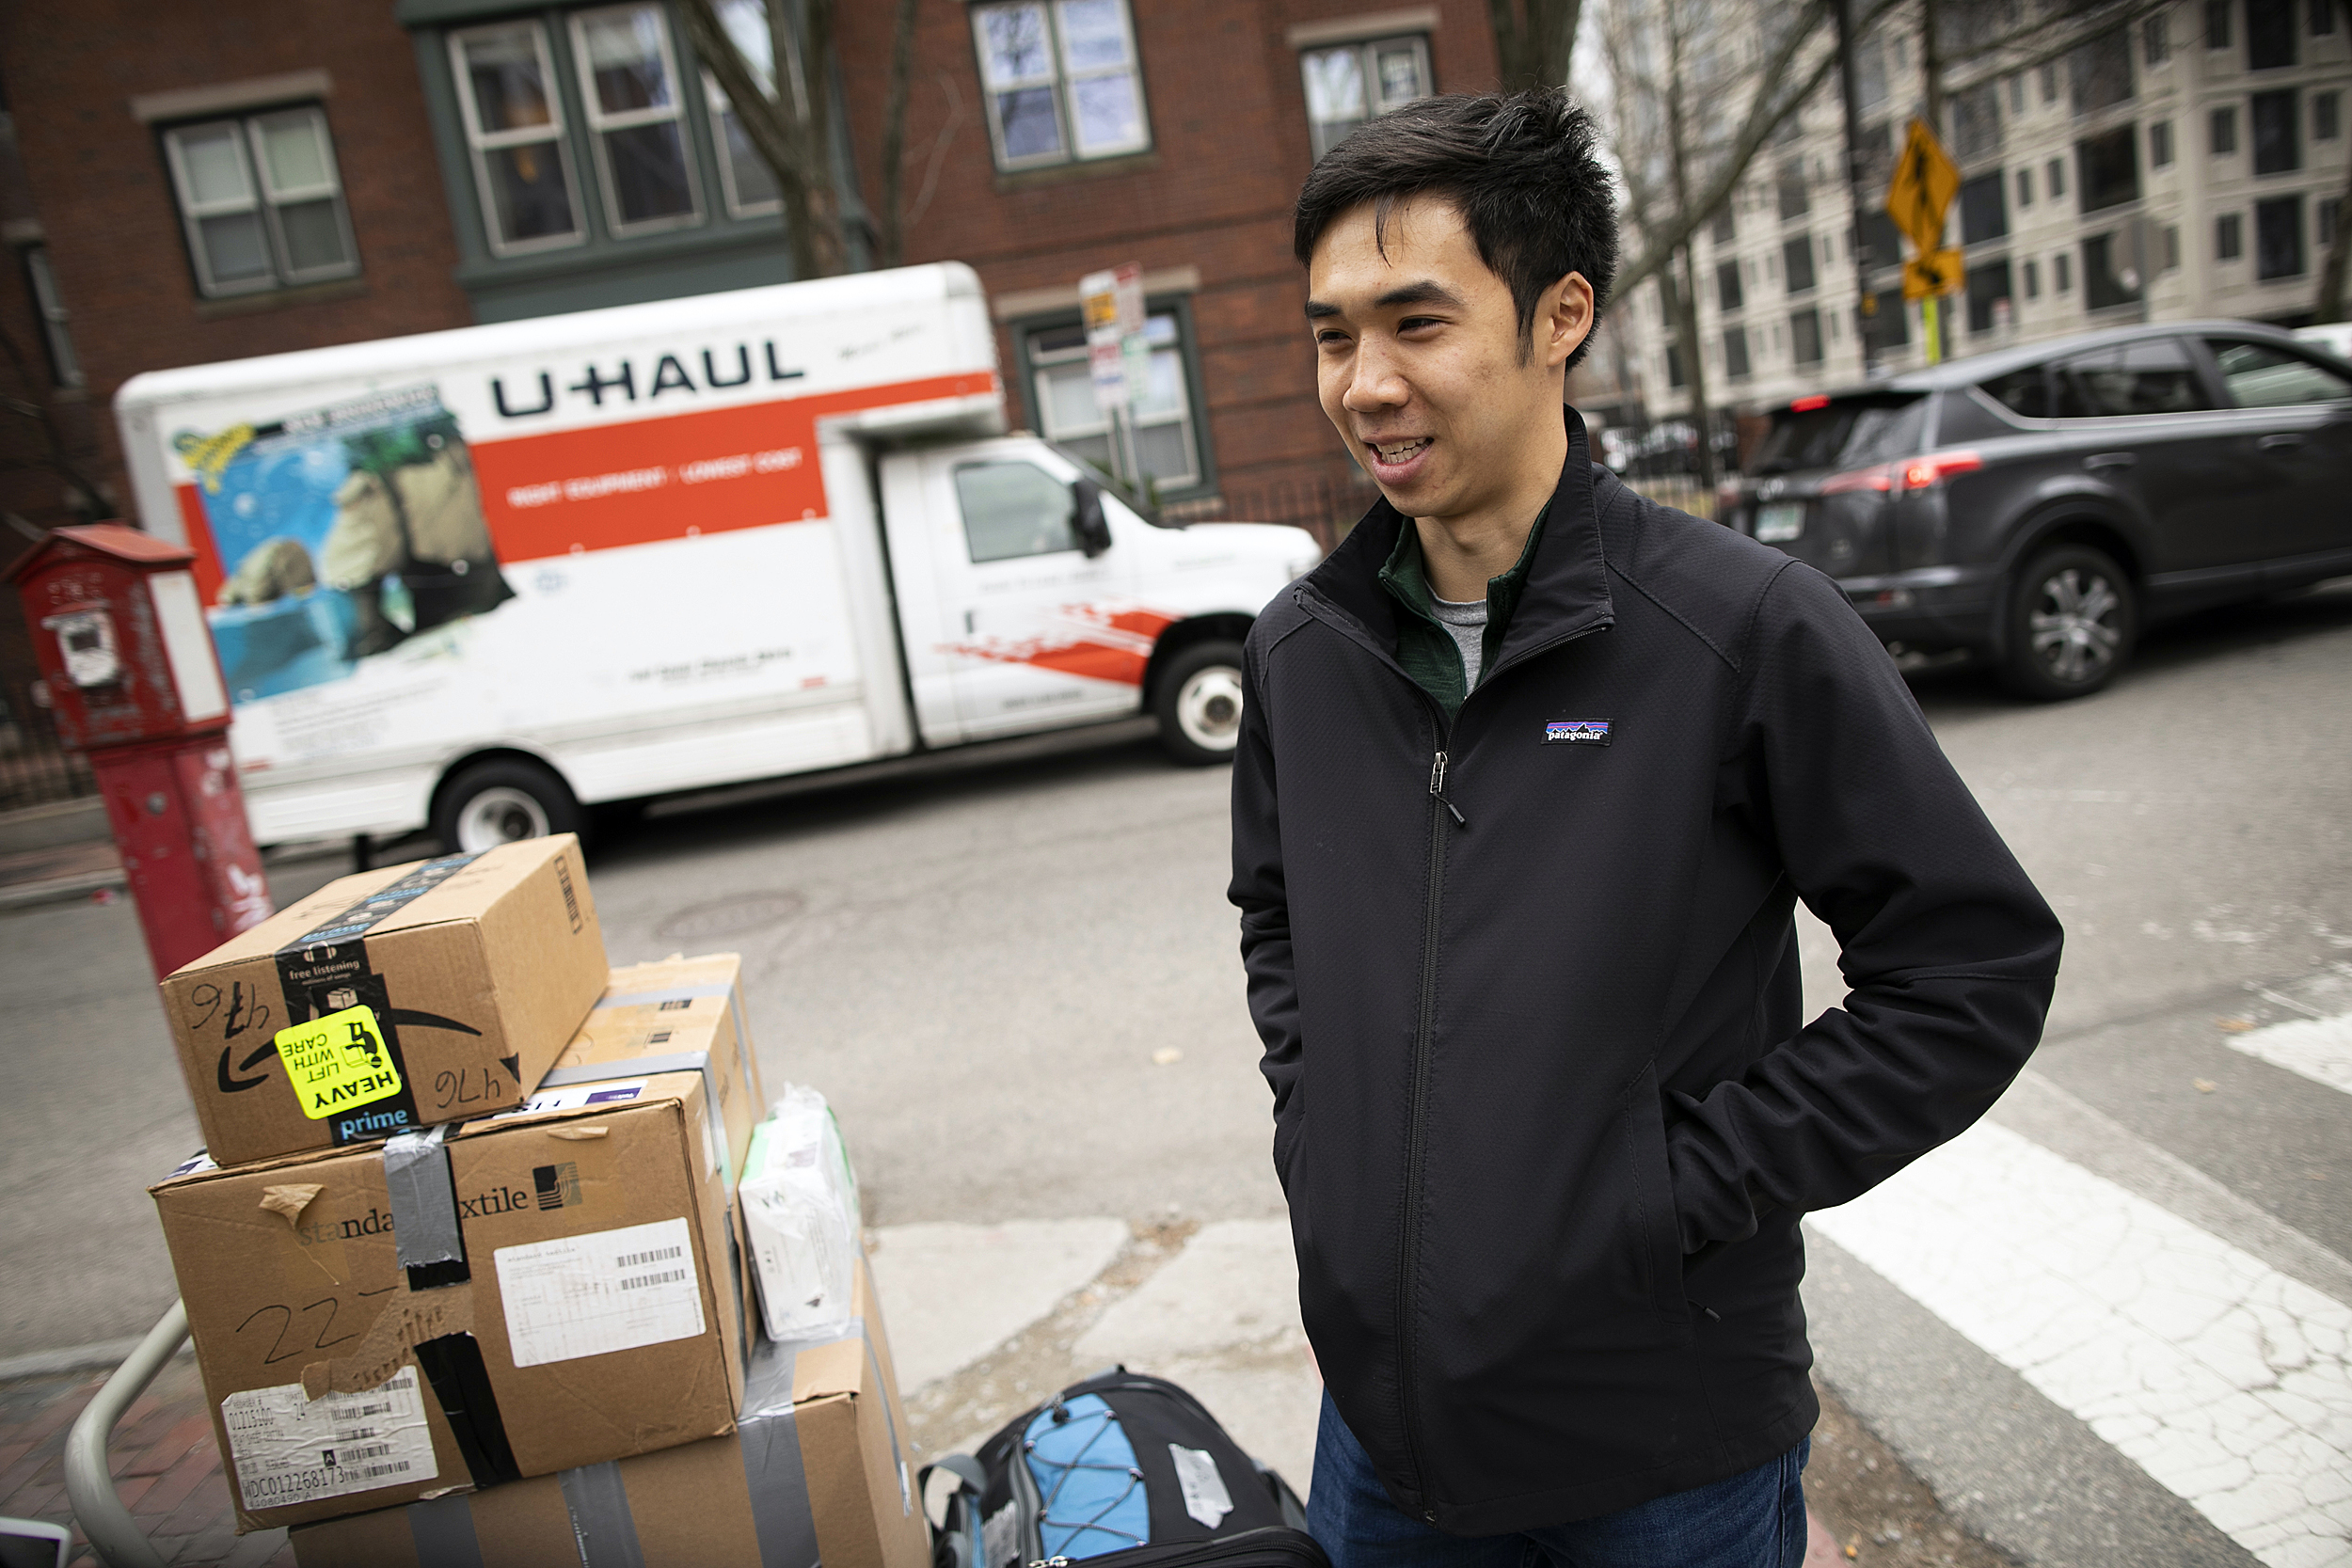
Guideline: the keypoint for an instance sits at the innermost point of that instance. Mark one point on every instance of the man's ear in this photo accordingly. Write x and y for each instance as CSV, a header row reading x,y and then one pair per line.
x,y
1564,319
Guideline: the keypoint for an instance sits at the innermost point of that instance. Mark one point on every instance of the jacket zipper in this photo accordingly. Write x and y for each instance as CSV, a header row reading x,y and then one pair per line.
x,y
1408,1233
1408,1241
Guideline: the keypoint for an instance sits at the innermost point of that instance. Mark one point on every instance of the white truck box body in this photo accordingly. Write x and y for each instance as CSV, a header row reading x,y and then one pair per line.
x,y
641,546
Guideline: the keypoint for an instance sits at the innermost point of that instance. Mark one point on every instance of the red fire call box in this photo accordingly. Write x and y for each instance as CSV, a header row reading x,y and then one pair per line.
x,y
128,660
126,654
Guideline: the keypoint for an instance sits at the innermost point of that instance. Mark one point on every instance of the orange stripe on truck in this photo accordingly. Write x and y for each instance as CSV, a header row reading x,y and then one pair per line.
x,y
637,480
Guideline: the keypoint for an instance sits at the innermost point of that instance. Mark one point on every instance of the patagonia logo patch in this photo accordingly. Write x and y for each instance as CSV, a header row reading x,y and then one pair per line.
x,y
1577,732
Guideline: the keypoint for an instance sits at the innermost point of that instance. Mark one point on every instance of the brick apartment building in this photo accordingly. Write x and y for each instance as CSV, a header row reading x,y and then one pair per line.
x,y
181,184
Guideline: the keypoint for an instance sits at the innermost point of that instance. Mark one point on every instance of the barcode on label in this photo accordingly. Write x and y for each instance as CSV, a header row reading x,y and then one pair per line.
x,y
643,1280
353,1434
662,1256
366,1410
377,1472
352,1456
608,1290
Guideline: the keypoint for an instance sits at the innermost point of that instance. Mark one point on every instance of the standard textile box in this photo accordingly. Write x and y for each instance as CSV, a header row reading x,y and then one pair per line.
x,y
527,1293
816,1473
675,1014
389,1001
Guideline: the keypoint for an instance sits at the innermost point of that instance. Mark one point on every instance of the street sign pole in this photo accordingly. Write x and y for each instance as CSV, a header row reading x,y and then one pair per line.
x,y
1118,359
1919,199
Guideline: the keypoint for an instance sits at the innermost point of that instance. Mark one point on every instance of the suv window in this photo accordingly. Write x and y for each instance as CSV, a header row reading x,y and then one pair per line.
x,y
2155,376
1847,432
1015,509
2025,391
2262,377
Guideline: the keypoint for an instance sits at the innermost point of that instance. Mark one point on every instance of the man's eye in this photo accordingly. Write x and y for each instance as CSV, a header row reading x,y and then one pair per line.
x,y
1415,324
1328,338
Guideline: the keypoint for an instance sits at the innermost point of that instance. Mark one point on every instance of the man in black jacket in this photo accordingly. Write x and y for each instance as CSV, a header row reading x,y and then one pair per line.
x,y
1531,774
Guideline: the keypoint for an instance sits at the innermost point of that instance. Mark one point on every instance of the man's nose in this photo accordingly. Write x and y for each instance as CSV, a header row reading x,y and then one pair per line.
x,y
1375,385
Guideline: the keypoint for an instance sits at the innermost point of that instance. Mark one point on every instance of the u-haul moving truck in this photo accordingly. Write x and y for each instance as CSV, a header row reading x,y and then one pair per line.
x,y
480,579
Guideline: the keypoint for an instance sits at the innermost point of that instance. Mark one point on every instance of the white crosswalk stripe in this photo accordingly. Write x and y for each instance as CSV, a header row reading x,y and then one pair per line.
x,y
2318,1048
2228,1381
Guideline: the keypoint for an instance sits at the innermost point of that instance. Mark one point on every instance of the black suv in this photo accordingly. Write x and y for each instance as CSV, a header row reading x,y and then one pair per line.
x,y
2039,505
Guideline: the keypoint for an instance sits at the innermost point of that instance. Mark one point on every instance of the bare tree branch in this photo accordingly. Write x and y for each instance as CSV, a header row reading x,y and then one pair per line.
x,y
2071,31
793,139
894,133
1537,48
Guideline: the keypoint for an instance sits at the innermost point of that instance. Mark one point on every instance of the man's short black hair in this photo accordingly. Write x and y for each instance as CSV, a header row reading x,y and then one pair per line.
x,y
1522,170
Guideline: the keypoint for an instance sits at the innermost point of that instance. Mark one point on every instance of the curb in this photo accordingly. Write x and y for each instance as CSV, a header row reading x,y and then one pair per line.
x,y
55,890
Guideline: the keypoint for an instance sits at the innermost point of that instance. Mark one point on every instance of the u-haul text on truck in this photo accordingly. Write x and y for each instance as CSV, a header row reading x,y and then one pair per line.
x,y
480,579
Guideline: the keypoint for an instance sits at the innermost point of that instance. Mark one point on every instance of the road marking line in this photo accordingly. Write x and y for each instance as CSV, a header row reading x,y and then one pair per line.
x,y
2318,1048
2228,1381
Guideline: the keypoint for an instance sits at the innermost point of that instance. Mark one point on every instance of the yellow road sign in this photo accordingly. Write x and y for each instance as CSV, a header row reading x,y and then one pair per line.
x,y
1921,192
1939,272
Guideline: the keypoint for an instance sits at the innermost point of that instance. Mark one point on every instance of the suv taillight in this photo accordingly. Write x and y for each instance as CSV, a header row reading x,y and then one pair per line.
x,y
1912,473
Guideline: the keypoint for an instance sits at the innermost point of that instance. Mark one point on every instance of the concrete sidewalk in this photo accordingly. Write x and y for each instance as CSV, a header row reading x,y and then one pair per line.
x,y
985,1322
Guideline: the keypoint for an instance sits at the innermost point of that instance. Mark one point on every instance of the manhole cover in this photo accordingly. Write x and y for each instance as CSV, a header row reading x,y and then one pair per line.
x,y
745,912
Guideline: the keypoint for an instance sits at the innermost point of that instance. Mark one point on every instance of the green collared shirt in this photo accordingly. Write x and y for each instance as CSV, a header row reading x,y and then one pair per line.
x,y
1423,645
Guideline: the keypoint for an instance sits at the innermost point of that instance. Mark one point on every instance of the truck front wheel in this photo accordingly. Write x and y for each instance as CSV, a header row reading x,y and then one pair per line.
x,y
1199,704
499,800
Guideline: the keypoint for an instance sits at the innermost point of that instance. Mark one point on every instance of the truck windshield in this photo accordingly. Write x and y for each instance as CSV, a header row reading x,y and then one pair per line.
x,y
1845,433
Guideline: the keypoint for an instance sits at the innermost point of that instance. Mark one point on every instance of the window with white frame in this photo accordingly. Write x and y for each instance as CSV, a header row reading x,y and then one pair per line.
x,y
1061,81
1348,83
1166,448
750,183
629,85
262,202
515,128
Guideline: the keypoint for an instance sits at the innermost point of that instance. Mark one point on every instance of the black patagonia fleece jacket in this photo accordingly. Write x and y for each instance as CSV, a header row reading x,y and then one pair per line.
x,y
1547,1106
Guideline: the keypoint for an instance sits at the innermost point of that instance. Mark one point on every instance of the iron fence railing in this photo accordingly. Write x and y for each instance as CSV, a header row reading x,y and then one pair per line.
x,y
37,769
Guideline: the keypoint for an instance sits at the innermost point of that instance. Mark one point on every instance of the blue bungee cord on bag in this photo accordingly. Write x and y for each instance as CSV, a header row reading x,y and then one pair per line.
x,y
1092,1494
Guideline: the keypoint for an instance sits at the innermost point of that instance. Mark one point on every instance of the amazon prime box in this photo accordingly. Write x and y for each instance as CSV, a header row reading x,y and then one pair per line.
x,y
389,1001
817,1472
532,1292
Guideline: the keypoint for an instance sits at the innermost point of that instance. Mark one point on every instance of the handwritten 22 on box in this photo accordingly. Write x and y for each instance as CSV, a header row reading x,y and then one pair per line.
x,y
590,1315
465,975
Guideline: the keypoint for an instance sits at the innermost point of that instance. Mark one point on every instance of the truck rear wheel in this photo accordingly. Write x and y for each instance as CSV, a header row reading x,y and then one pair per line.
x,y
1199,704
501,801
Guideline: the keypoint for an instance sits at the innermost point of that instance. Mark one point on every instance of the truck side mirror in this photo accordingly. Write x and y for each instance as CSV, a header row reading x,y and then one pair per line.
x,y
1094,529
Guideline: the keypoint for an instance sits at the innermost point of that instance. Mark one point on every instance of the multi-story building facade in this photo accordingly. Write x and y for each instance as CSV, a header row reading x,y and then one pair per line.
x,y
201,184
2189,163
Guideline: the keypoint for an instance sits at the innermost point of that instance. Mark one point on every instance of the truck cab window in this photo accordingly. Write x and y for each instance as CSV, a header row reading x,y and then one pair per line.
x,y
1015,509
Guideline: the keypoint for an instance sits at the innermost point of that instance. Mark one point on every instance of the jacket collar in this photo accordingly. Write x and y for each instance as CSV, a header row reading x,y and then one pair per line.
x,y
1566,589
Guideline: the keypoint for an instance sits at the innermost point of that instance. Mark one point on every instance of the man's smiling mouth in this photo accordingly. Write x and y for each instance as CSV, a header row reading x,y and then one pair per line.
x,y
1393,452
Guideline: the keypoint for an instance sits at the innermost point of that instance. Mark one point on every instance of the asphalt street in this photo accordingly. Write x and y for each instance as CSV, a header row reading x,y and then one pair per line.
x,y
1017,981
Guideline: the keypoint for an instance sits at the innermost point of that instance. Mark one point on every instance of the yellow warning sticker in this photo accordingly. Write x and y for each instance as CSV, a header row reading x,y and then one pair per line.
x,y
338,1062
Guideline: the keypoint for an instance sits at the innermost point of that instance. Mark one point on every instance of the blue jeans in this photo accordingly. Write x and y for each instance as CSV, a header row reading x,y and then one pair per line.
x,y
1755,1520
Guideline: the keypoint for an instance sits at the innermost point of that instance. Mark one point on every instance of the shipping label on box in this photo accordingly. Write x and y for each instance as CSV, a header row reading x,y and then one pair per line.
x,y
389,1001
514,1296
816,1473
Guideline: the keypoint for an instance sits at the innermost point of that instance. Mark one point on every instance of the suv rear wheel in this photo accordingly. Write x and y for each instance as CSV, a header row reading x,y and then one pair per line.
x,y
2073,616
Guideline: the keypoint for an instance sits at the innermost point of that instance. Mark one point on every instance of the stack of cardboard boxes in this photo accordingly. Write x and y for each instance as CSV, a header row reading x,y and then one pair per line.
x,y
462,1262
